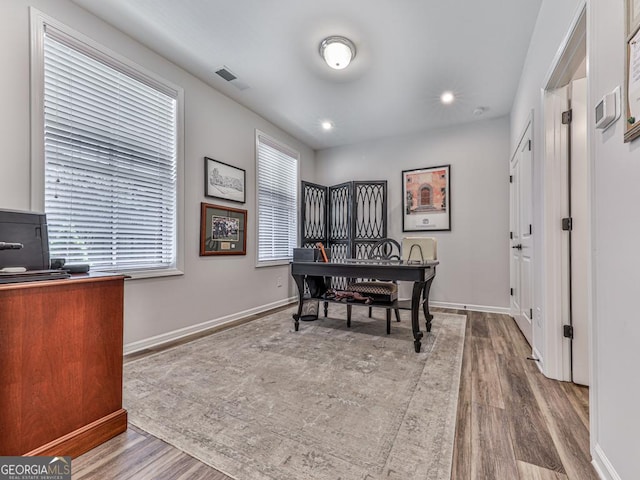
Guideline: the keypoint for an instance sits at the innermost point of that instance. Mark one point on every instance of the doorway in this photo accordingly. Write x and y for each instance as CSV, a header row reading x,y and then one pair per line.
x,y
521,235
566,213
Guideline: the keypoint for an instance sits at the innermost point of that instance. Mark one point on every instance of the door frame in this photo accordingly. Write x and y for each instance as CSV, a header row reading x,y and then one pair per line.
x,y
555,266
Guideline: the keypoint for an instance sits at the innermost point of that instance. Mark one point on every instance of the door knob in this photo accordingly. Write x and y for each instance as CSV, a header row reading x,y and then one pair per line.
x,y
518,246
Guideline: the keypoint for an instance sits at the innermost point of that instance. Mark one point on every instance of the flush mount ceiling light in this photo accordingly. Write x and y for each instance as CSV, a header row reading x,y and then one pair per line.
x,y
327,125
337,51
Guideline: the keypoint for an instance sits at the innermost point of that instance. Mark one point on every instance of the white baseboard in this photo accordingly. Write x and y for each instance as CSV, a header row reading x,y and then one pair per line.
x,y
474,308
540,361
603,466
201,327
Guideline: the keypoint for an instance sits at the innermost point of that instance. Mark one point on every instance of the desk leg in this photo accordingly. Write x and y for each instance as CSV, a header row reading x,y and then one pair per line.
x,y
418,287
299,279
425,304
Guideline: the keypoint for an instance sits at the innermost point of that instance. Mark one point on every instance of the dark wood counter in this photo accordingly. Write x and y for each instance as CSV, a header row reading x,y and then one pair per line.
x,y
61,365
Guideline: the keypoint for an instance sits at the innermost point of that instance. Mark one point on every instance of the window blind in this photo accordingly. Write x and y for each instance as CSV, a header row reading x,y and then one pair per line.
x,y
277,185
110,162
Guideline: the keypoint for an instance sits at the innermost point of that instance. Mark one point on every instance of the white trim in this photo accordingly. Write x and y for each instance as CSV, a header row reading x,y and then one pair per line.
x,y
581,10
473,308
554,178
139,274
555,240
527,133
594,417
293,153
603,466
38,23
201,327
535,353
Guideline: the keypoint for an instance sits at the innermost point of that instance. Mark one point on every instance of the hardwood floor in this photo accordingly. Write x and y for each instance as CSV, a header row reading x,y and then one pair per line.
x,y
512,422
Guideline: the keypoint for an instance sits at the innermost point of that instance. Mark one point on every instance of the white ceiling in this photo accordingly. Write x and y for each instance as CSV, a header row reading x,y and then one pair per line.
x,y
408,53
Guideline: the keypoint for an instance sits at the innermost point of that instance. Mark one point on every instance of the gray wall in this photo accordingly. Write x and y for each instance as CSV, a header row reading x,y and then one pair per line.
x,y
474,255
615,196
616,258
215,126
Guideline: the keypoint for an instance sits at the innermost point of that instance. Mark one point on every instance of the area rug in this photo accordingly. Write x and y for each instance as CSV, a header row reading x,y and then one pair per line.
x,y
263,402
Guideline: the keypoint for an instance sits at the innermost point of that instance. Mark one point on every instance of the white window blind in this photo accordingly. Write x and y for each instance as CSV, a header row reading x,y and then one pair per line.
x,y
277,185
110,161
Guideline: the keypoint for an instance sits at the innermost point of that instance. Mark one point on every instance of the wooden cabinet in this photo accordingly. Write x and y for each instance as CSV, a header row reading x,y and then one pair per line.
x,y
61,365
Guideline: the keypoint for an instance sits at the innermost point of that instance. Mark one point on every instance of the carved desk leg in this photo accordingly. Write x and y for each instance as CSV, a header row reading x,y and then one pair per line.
x,y
299,279
415,312
425,304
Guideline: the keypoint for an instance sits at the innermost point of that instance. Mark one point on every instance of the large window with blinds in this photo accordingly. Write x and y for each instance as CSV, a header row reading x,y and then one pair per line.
x,y
110,159
277,194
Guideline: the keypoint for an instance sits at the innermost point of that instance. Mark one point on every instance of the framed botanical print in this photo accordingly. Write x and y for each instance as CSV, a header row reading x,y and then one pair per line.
x,y
426,199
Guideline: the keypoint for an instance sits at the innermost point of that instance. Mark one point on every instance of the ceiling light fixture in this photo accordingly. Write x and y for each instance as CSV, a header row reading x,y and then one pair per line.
x,y
337,51
447,98
327,125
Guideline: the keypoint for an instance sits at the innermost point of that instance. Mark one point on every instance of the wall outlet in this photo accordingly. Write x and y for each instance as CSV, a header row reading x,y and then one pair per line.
x,y
279,281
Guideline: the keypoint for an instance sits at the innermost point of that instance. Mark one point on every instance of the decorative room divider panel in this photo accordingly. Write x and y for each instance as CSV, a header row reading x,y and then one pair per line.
x,y
348,218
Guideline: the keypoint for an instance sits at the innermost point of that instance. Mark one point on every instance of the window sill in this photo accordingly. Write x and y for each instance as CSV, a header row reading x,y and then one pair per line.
x,y
140,274
274,263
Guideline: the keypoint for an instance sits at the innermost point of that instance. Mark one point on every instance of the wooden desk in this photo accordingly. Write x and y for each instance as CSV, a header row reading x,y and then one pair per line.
x,y
61,365
421,275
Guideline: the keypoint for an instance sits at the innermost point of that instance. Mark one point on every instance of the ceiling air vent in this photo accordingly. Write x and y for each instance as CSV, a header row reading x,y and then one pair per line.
x,y
230,77
225,73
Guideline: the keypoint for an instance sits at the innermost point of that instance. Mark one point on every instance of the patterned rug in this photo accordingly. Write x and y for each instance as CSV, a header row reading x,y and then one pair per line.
x,y
263,402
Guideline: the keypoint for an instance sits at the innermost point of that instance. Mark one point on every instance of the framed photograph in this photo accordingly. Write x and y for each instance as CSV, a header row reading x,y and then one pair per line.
x,y
426,199
224,181
223,230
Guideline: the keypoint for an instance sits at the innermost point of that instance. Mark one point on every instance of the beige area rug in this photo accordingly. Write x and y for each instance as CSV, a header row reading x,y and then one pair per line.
x,y
261,401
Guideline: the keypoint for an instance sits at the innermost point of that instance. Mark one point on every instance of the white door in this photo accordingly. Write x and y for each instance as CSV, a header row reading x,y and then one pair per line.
x,y
521,219
579,233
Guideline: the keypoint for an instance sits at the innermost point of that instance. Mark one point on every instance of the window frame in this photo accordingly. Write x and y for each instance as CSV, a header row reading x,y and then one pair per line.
x,y
294,153
39,23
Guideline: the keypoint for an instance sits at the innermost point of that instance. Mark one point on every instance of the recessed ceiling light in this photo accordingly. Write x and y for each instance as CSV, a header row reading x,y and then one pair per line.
x,y
327,125
447,98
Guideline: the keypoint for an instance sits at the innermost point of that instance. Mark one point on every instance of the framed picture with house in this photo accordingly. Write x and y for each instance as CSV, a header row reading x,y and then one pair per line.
x,y
426,199
224,181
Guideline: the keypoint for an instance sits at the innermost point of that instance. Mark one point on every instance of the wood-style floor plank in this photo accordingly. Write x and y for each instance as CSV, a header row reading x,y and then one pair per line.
x,y
529,432
485,381
570,436
492,454
504,402
533,472
461,466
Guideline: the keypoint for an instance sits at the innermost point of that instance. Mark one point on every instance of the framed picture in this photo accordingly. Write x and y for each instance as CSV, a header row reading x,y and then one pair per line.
x,y
223,230
426,199
224,181
632,73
